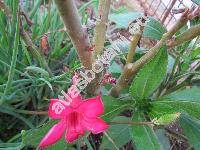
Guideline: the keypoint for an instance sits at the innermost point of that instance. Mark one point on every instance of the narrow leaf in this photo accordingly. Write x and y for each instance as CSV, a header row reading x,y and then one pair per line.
x,y
13,62
37,70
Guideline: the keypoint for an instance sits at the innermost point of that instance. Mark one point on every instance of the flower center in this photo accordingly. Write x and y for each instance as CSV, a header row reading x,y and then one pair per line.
x,y
73,120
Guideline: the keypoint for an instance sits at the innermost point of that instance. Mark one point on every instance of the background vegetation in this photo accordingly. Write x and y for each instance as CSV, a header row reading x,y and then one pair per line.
x,y
158,88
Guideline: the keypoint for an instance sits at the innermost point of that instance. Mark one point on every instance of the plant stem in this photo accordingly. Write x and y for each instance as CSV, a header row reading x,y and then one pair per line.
x,y
99,39
101,26
80,39
131,69
33,50
135,39
191,33
175,134
132,123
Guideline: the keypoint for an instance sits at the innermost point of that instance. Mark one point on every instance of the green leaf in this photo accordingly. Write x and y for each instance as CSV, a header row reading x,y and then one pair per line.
x,y
11,111
163,139
119,135
187,100
115,68
166,119
191,128
195,53
150,76
37,70
144,136
14,59
122,20
153,28
11,146
85,5
196,2
192,94
35,8
47,82
34,136
113,107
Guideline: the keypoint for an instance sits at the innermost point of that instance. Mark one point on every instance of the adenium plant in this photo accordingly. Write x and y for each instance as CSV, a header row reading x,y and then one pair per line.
x,y
140,77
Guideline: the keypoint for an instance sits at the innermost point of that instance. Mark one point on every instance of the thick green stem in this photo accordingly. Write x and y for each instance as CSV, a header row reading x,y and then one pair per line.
x,y
101,26
80,39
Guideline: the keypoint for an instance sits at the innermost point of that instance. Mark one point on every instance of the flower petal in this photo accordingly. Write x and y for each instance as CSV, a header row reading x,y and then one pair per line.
x,y
79,128
58,109
74,92
74,127
95,125
54,134
71,135
92,107
76,101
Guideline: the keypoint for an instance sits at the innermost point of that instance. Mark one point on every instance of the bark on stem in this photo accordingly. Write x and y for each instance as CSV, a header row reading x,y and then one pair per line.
x,y
33,50
136,37
99,39
80,39
101,26
132,50
186,36
131,69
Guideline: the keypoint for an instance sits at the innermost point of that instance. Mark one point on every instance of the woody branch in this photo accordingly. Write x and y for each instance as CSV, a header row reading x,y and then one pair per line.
x,y
185,36
99,40
101,26
135,39
131,69
80,39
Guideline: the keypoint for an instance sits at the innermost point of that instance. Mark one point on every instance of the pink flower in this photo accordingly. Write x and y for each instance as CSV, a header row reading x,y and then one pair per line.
x,y
75,118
